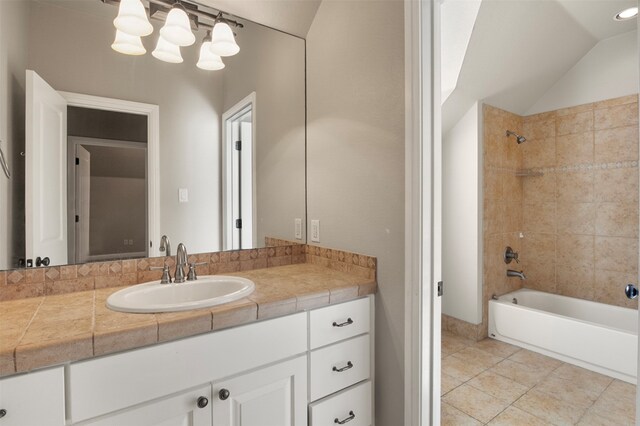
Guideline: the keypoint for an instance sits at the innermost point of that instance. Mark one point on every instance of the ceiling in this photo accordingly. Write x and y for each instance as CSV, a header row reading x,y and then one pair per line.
x,y
291,16
519,48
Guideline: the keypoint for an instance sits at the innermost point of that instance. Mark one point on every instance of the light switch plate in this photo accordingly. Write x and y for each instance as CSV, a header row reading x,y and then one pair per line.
x,y
315,231
298,222
183,195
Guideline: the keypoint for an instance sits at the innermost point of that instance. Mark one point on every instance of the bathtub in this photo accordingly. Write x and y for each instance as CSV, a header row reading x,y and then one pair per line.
x,y
595,336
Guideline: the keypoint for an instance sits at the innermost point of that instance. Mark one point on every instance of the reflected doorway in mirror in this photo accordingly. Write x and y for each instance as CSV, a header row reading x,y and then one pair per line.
x,y
238,175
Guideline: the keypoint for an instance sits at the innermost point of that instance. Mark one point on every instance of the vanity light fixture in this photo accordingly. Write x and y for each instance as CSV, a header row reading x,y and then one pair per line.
x,y
208,60
223,42
132,23
627,14
167,52
177,28
128,44
132,19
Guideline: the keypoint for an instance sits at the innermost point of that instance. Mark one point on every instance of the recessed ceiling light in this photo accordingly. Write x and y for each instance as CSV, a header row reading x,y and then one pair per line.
x,y
626,14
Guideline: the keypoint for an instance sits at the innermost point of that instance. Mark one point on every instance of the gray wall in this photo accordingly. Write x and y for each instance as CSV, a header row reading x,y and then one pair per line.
x,y
272,65
118,211
355,76
190,103
13,48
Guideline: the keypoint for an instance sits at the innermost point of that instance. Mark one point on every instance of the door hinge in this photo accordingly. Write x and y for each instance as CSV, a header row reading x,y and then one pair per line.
x,y
440,288
239,223
77,161
238,145
77,218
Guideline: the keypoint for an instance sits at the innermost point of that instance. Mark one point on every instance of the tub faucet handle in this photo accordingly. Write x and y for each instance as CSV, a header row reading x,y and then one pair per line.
x,y
631,291
510,255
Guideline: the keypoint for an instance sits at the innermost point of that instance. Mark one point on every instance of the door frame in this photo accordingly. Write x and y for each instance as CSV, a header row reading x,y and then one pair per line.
x,y
153,150
72,143
227,192
422,213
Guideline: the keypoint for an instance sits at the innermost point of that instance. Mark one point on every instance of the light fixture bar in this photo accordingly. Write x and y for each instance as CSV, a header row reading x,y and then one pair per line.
x,y
199,13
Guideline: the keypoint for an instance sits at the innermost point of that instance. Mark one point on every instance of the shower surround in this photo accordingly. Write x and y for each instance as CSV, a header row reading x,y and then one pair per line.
x,y
580,218
572,191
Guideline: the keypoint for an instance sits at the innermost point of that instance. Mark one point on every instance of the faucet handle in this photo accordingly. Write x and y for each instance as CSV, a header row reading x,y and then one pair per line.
x,y
191,275
510,254
166,275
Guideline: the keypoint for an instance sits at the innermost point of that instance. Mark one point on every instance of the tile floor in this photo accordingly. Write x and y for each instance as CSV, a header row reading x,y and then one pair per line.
x,y
494,383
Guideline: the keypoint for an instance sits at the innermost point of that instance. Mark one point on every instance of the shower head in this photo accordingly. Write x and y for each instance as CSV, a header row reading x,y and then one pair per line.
x,y
519,138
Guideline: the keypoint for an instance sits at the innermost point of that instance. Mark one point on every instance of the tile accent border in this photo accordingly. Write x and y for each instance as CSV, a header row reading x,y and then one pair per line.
x,y
358,264
36,282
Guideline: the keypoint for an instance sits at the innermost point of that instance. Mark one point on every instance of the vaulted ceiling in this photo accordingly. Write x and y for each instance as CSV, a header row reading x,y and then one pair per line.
x,y
519,48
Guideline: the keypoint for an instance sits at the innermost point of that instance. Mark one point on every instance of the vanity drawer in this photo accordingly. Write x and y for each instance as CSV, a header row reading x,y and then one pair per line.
x,y
338,322
339,366
354,402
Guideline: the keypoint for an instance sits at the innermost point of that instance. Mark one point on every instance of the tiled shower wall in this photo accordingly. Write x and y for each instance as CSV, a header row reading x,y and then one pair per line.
x,y
580,218
502,203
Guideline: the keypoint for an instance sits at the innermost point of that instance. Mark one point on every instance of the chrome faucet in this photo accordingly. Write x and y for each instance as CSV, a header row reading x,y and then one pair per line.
x,y
181,262
165,245
519,274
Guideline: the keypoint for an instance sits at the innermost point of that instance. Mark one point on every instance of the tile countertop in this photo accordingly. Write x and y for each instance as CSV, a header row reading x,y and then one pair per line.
x,y
45,331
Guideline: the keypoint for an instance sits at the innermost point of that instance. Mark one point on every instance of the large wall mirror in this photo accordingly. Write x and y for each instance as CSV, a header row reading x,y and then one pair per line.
x,y
108,152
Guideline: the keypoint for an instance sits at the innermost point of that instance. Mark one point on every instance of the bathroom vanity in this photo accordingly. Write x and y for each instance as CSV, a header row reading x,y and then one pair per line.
x,y
313,367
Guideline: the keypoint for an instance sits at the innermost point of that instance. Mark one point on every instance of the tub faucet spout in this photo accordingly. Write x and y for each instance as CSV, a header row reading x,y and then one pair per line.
x,y
519,274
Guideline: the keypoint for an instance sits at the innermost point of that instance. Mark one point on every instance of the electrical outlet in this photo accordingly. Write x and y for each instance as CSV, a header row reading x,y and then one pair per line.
x,y
183,195
315,231
298,223
126,242
130,242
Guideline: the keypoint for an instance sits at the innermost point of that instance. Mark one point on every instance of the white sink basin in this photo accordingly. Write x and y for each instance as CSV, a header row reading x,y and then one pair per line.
x,y
206,291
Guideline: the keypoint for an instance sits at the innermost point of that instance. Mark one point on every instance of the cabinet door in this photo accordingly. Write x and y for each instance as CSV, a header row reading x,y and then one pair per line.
x,y
271,396
190,408
33,399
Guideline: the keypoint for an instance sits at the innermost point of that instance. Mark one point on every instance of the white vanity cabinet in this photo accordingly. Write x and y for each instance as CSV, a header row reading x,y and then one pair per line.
x,y
341,364
35,398
311,367
271,396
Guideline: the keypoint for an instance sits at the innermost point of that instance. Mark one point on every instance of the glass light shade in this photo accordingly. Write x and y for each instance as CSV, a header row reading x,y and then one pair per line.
x,y
167,52
128,44
177,28
132,18
223,43
208,60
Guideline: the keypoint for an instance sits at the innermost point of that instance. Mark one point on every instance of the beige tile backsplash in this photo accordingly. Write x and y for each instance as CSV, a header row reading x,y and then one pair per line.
x,y
35,282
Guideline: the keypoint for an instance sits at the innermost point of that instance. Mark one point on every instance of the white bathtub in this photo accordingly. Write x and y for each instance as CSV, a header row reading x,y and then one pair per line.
x,y
599,337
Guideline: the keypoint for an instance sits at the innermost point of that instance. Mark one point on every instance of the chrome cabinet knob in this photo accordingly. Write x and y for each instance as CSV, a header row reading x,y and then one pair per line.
x,y
631,291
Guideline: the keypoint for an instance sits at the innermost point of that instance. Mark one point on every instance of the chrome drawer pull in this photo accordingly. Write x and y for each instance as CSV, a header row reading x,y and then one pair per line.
x,y
345,368
347,419
342,324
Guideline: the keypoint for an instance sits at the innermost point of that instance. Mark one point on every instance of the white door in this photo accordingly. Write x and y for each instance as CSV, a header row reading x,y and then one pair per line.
x,y
239,176
45,172
83,202
272,396
191,408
